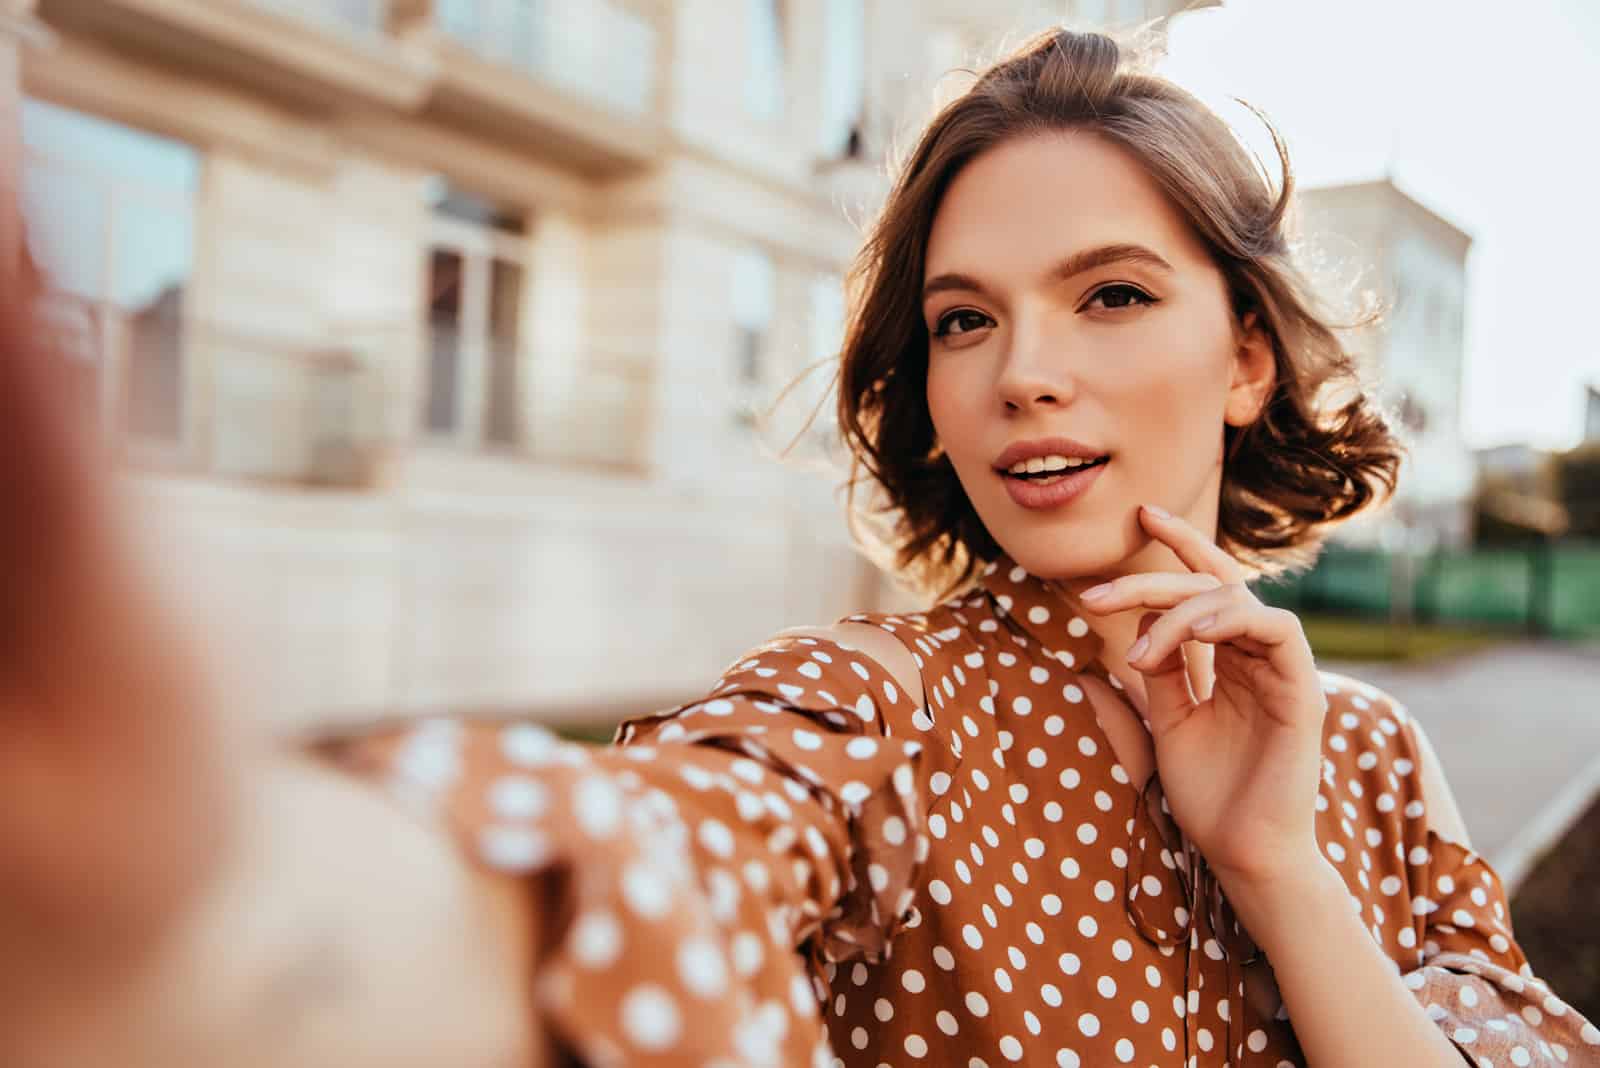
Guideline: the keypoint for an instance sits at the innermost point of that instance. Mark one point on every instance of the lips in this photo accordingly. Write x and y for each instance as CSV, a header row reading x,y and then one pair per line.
x,y
1039,447
1062,489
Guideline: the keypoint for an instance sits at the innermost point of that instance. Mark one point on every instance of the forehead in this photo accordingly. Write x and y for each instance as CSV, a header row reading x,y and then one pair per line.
x,y
1029,201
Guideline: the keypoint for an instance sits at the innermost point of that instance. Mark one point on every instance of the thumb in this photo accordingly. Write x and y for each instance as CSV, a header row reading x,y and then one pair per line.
x,y
1168,696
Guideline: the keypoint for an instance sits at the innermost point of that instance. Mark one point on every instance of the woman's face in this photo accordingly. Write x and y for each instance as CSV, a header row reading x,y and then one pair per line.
x,y
1131,353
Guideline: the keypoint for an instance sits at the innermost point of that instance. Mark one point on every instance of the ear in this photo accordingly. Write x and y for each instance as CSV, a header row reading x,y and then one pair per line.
x,y
1255,372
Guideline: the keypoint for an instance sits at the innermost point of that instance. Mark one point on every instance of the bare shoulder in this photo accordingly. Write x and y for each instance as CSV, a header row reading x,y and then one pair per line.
x,y
1444,815
884,648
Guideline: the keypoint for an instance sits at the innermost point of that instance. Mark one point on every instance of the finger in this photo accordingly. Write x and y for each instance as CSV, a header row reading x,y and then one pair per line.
x,y
1274,634
1197,551
1178,624
1169,699
1148,589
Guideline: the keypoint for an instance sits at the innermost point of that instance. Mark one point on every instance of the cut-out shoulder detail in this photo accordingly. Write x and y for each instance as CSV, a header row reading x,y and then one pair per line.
x,y
1444,815
892,656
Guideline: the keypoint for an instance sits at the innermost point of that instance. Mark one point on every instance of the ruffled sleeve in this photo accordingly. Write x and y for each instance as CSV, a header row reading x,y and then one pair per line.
x,y
690,866
1470,974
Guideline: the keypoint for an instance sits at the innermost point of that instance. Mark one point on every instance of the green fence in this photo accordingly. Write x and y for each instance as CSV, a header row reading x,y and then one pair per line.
x,y
1544,588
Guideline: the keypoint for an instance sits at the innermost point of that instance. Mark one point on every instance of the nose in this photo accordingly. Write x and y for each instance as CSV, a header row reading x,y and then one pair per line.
x,y
1035,371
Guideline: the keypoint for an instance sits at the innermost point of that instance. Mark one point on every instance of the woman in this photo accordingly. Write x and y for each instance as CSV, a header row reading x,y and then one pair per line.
x,y
1096,805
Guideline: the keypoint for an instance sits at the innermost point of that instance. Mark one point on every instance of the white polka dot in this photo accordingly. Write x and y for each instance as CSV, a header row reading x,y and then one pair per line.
x,y
596,939
598,805
1065,1058
515,798
916,1045
1069,963
650,1017
946,1022
1107,986
1010,1048
701,968
528,745
977,1004
646,891
512,848
855,793
861,748
1038,614
913,981
1124,1050
972,936
716,837
1089,1024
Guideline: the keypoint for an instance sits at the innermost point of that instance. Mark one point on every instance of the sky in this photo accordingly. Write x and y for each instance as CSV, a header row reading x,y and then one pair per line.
x,y
1485,112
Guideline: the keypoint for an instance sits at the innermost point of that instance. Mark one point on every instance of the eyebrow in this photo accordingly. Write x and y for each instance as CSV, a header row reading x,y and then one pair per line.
x,y
1077,263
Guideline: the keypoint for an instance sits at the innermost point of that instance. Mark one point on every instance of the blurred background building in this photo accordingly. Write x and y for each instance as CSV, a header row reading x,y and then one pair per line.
x,y
1414,261
434,332
434,329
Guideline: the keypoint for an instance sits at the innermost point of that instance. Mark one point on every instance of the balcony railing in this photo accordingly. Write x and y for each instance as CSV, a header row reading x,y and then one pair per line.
x,y
597,49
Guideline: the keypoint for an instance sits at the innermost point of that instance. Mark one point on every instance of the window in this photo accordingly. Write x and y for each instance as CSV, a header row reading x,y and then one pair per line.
x,y
843,78
754,294
476,276
111,214
763,95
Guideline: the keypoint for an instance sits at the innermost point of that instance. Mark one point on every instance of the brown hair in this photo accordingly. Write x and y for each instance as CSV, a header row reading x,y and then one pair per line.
x,y
1305,463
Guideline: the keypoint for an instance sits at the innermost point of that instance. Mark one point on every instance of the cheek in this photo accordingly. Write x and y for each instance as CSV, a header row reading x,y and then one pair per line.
x,y
1175,397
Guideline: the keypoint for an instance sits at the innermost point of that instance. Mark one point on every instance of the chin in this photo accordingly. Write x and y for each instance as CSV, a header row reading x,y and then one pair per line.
x,y
1068,551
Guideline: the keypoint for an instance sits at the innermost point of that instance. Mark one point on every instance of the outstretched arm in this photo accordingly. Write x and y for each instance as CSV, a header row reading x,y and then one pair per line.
x,y
170,894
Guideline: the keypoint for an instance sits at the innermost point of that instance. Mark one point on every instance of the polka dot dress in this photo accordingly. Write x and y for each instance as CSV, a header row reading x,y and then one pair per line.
x,y
804,868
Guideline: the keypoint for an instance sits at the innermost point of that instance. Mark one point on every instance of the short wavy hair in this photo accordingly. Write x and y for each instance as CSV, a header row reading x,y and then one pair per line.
x,y
1309,460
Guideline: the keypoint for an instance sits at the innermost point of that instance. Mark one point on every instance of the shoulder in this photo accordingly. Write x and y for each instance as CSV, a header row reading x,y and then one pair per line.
x,y
1371,729
873,642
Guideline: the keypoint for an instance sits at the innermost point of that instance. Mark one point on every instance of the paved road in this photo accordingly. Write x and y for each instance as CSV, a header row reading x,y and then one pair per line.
x,y
1515,726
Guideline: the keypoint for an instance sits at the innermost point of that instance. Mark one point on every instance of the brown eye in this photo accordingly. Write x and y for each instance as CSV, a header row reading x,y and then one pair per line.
x,y
960,321
1121,295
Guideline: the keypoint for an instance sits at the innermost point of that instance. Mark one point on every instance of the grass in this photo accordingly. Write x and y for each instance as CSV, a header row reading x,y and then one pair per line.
x,y
1339,638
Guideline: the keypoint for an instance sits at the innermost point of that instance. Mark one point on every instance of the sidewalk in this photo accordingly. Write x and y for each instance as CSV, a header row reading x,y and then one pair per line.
x,y
1517,728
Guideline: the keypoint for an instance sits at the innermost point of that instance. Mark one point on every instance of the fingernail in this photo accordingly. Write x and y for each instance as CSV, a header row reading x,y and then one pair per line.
x,y
1096,592
1158,512
1138,648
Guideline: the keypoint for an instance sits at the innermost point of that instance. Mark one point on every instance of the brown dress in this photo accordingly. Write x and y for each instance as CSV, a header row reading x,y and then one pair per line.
x,y
800,868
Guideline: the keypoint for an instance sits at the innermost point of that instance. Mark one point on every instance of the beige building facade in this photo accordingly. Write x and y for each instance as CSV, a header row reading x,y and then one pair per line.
x,y
1414,261
430,331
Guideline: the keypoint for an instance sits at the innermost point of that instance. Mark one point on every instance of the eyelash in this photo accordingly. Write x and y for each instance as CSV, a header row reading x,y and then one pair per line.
x,y
942,327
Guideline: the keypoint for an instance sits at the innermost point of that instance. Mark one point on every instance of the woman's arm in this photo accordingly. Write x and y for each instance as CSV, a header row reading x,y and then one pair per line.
x,y
1345,997
338,930
172,893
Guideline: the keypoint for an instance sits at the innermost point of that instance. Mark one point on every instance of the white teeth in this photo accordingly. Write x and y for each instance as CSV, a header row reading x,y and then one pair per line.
x,y
1046,463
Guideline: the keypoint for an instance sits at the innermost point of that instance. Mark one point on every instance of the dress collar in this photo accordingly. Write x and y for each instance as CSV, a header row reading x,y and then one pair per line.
x,y
1046,611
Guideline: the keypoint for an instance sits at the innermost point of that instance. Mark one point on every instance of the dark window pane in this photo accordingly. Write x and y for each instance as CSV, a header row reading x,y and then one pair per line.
x,y
444,322
502,408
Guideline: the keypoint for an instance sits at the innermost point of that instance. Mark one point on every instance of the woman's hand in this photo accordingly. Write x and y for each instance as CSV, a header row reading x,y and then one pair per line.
x,y
1240,769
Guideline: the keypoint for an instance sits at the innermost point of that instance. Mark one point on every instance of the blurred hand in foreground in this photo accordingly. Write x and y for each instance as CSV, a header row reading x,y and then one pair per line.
x,y
169,893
